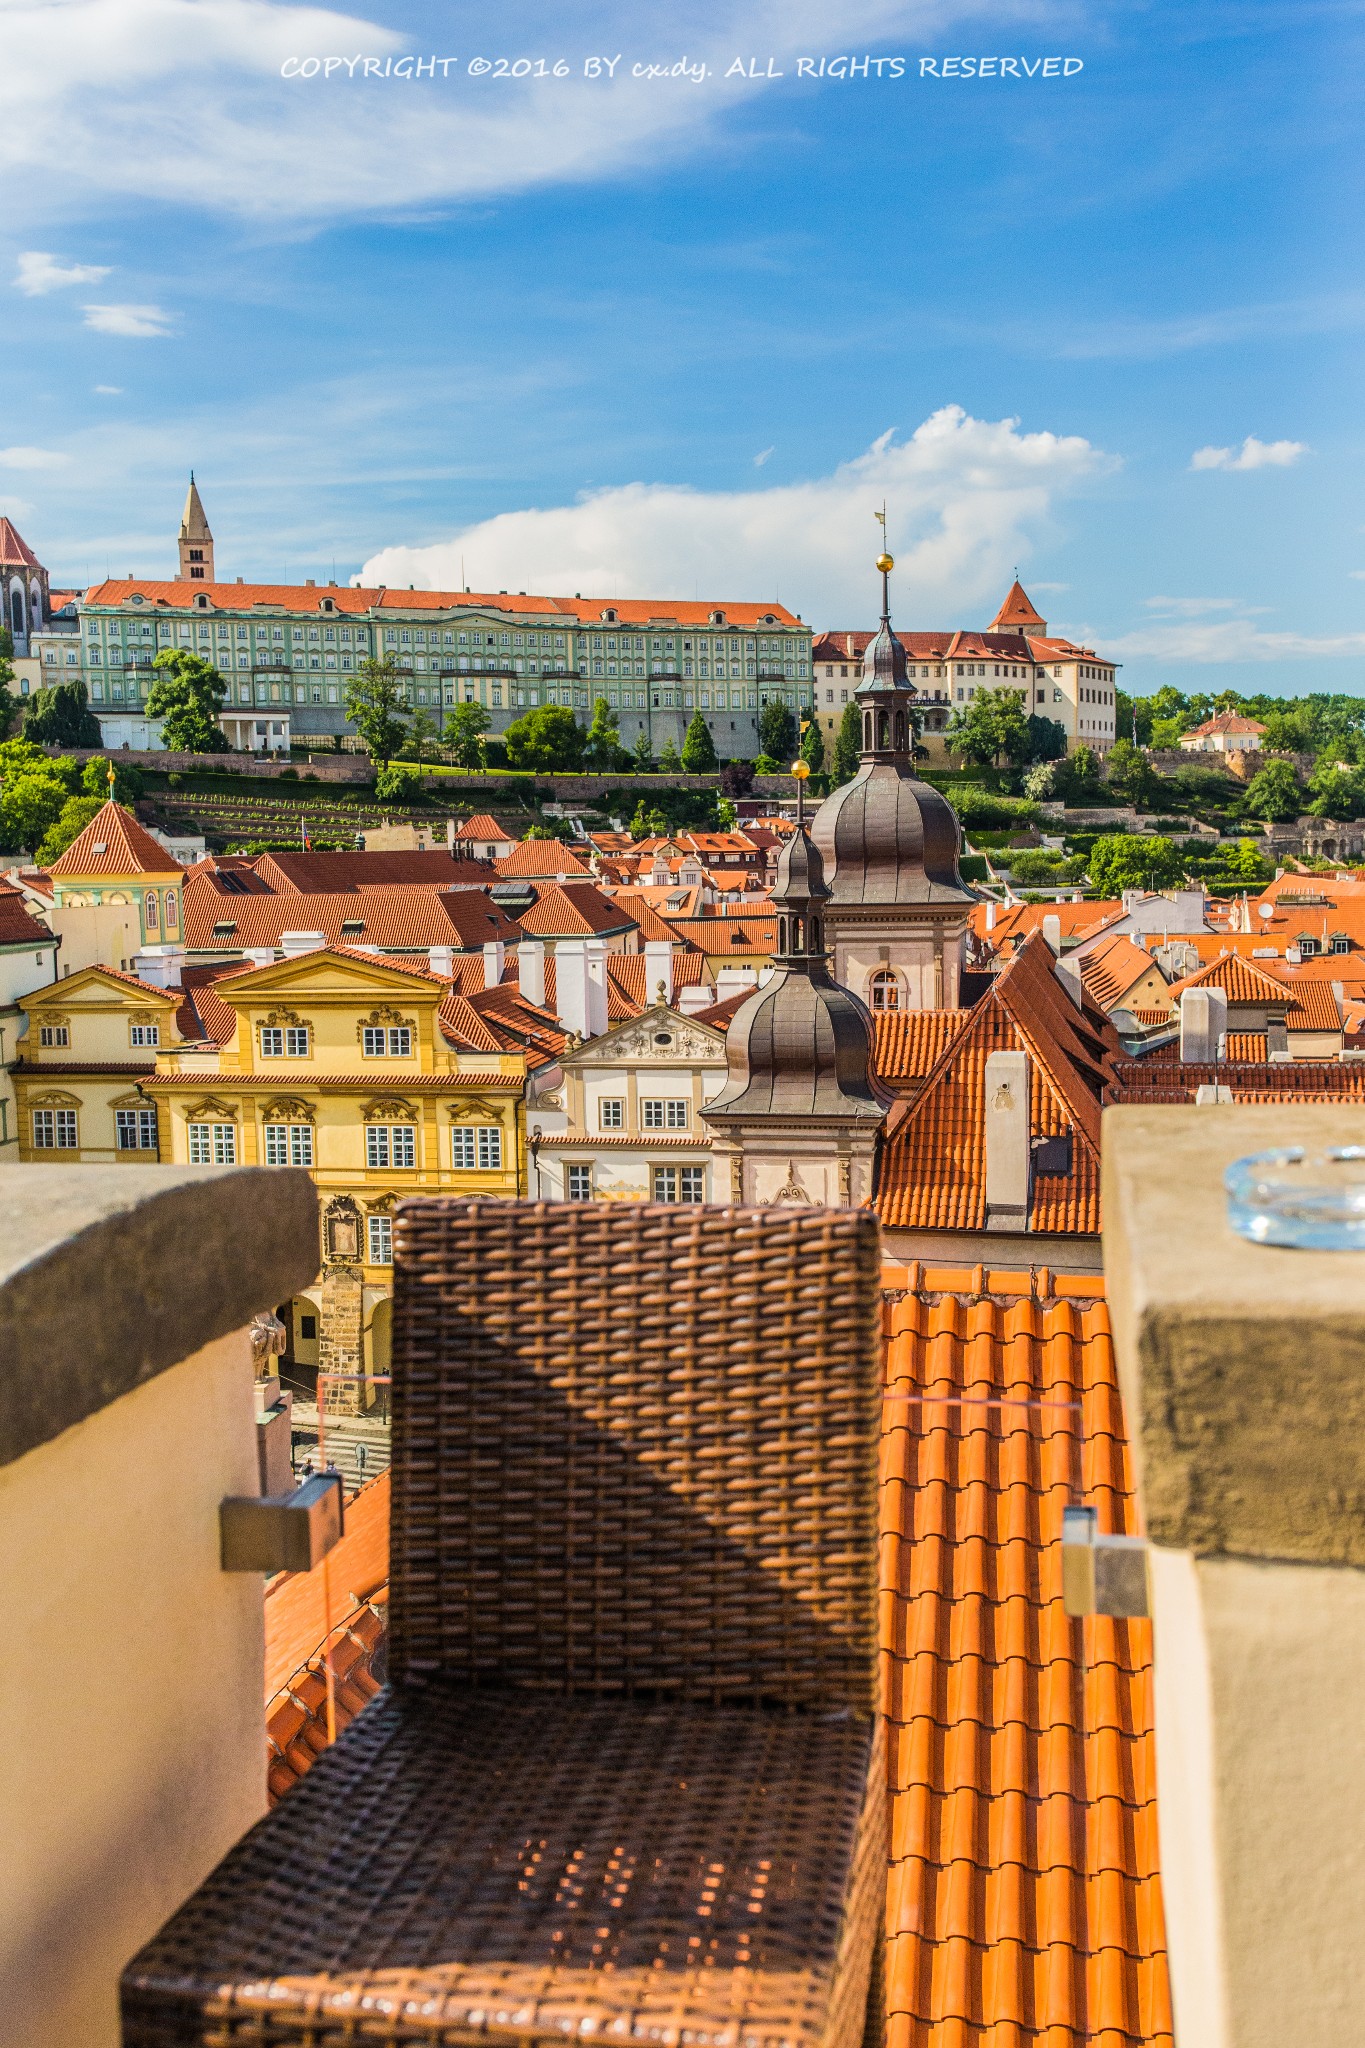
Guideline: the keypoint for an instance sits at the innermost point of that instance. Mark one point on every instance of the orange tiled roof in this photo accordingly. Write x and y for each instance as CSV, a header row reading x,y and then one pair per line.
x,y
1017,613
738,931
296,597
18,925
1310,1004
1247,1046
113,843
324,874
481,826
1226,721
388,917
933,1172
1111,968
906,1044
1024,1904
542,857
15,552
1174,1080
1014,921
573,910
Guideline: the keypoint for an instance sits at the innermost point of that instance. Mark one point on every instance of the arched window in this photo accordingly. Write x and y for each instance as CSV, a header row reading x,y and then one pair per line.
x,y
885,989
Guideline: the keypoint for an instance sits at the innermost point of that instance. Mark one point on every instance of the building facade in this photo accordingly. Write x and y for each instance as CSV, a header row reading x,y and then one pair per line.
x,y
24,602
1070,684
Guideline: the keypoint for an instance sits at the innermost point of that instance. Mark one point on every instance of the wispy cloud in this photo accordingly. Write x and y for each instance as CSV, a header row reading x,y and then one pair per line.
x,y
32,458
137,321
1194,607
40,273
1252,454
1212,641
968,498
762,457
108,391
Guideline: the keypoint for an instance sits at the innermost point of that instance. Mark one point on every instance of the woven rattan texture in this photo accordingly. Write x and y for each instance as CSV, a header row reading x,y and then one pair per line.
x,y
467,1867
635,1450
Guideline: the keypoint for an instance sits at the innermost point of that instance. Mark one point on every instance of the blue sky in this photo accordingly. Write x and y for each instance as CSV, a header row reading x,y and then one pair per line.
x,y
665,336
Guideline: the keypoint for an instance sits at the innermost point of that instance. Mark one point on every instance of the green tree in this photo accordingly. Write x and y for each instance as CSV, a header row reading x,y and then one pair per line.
x,y
640,754
1243,862
31,802
1045,739
813,746
375,706
1132,775
699,749
669,761
1127,860
992,725
727,817
464,733
777,731
603,753
1133,718
69,823
1274,793
398,782
422,730
187,696
61,717
545,740
9,703
848,744
1338,790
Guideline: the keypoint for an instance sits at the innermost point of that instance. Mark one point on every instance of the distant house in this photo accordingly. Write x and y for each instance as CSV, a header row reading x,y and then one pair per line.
x,y
1229,733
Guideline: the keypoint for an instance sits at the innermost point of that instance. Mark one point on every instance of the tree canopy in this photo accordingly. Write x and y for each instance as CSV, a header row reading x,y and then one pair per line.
x,y
187,696
1129,860
1274,793
545,740
848,744
61,717
699,749
777,732
375,705
464,733
603,753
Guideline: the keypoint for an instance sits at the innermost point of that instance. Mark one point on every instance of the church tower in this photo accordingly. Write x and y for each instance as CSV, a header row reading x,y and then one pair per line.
x,y
897,912
25,601
196,541
801,1114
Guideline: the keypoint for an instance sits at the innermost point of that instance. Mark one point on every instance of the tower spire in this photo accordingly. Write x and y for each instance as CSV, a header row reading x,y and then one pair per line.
x,y
196,539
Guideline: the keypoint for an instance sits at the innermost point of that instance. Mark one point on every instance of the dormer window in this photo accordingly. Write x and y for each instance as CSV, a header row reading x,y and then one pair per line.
x,y
202,603
328,605
717,618
610,617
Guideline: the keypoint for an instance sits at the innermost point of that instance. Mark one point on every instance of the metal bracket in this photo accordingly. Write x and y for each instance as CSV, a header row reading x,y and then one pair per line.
x,y
1102,1574
284,1532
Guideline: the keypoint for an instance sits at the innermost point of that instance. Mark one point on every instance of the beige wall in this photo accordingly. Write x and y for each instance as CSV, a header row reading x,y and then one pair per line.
x,y
96,935
132,1739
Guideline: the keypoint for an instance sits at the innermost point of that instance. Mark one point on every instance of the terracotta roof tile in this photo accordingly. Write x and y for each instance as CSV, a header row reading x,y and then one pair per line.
x,y
573,910
15,552
906,1044
328,874
295,597
1111,967
113,843
18,925
1024,1902
737,932
1247,1045
482,826
542,857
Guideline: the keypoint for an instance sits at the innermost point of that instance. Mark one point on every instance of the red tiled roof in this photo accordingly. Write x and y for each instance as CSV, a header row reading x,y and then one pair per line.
x,y
475,919
18,925
113,843
1013,921
482,827
1112,967
1171,1079
1024,1903
906,1044
735,933
573,910
1247,1046
1226,721
933,1173
629,973
1017,612
414,918
15,552
541,857
330,874
1310,1004
295,597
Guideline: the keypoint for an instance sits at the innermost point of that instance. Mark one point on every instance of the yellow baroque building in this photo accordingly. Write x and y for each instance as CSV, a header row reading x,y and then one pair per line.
x,y
364,1071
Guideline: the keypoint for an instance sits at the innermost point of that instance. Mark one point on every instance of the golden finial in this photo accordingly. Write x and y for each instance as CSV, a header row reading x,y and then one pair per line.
x,y
886,563
111,778
800,769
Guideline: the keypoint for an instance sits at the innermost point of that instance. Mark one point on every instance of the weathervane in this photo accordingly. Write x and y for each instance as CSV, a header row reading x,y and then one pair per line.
x,y
886,563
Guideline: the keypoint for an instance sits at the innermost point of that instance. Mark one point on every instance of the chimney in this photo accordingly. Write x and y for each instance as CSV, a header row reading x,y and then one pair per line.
x,y
292,944
441,960
531,970
160,965
1052,931
1007,1141
310,583
492,963
695,997
450,835
571,986
259,956
596,954
733,981
1203,1024
990,913
658,970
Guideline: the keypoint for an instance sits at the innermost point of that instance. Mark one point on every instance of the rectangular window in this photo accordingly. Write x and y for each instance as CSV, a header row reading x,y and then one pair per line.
x,y
213,1145
296,1041
54,1130
665,1183
463,1147
395,1041
272,1042
289,1144
490,1147
692,1184
578,1183
381,1240
136,1129
664,1116
54,1034
611,1114
144,1034
391,1145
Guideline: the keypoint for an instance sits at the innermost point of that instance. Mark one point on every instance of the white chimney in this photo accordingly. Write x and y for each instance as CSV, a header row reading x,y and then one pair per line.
x,y
531,970
990,913
492,963
595,951
450,835
162,966
1052,931
571,986
658,970
733,981
695,997
1007,1141
441,960
292,944
1203,1023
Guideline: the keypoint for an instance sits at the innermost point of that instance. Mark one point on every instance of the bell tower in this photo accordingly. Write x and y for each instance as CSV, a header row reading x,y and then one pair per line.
x,y
196,540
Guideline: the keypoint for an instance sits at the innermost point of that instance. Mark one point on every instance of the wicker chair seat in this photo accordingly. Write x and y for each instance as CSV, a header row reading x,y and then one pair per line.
x,y
470,1866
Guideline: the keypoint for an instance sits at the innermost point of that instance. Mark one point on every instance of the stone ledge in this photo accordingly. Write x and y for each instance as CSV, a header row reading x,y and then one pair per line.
x,y
1242,1366
111,1274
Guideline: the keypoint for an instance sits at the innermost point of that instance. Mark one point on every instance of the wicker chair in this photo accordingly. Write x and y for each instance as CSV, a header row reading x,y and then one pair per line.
x,y
627,1778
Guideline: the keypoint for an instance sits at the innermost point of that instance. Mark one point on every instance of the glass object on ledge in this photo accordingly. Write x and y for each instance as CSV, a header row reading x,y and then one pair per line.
x,y
1311,1200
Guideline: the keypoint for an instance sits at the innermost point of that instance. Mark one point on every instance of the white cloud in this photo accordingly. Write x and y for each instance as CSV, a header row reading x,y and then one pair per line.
x,y
108,391
1252,454
183,100
1219,640
128,320
39,273
762,457
966,497
32,458
1193,607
